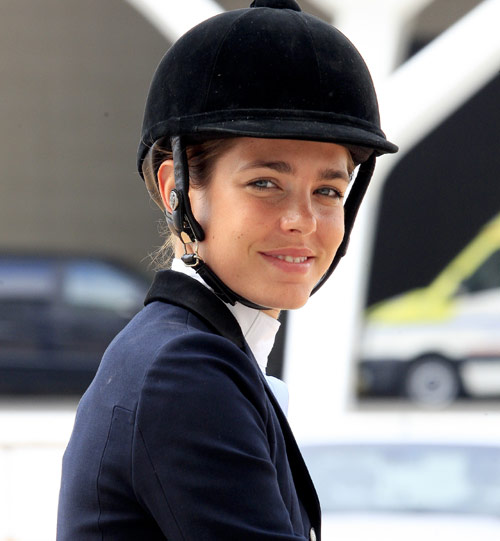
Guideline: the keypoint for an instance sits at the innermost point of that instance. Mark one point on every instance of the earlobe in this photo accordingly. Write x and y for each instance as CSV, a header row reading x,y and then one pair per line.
x,y
166,182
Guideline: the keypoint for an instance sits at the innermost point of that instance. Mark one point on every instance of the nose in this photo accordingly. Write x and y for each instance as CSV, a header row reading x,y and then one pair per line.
x,y
298,217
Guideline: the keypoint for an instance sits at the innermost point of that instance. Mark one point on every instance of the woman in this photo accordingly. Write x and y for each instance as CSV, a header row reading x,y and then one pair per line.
x,y
254,123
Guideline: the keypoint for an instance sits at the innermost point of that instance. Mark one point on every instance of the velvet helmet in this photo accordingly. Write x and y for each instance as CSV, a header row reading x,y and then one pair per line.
x,y
268,71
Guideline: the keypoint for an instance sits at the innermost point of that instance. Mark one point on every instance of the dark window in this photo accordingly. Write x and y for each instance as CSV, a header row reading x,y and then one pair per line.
x,y
94,284
487,276
26,279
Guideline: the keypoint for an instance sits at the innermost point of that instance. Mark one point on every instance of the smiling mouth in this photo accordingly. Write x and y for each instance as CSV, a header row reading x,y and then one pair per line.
x,y
290,259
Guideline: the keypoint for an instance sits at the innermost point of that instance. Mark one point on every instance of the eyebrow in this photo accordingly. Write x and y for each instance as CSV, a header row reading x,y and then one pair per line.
x,y
278,166
332,174
285,167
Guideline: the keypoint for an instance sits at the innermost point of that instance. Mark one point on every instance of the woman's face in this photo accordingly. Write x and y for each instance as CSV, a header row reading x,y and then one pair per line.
x,y
273,217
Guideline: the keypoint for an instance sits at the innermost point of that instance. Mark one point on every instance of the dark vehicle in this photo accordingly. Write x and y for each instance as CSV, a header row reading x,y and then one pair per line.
x,y
57,316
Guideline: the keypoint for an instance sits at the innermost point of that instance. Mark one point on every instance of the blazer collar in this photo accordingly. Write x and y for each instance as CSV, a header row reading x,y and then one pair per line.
x,y
180,290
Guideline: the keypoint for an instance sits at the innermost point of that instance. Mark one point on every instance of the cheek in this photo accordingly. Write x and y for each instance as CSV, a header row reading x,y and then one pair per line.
x,y
200,207
227,235
241,224
333,229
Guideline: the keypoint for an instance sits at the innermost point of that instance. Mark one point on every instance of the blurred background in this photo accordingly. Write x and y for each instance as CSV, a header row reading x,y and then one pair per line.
x,y
400,423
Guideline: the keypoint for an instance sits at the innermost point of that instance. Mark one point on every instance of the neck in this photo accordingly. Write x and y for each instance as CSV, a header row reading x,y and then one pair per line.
x,y
273,312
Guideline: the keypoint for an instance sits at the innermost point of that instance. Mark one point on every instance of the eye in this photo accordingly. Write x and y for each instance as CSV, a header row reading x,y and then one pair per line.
x,y
330,191
263,184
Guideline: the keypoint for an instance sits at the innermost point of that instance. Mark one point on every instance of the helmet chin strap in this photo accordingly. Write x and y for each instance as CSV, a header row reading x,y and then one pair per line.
x,y
183,224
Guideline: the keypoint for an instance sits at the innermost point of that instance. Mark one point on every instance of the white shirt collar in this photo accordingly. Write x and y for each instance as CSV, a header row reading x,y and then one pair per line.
x,y
258,328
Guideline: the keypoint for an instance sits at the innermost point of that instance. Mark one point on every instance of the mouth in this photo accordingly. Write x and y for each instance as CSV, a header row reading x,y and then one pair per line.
x,y
290,259
290,262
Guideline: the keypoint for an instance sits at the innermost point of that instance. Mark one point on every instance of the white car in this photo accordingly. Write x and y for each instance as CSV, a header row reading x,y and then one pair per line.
x,y
416,488
434,343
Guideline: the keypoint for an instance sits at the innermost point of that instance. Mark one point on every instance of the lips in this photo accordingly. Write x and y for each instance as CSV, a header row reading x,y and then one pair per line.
x,y
290,259
290,254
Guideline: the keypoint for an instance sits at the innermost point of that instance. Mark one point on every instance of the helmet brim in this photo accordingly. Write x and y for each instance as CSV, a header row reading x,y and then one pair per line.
x,y
363,139
285,128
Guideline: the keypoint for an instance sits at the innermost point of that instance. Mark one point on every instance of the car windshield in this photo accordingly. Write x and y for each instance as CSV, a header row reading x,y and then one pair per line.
x,y
487,276
406,478
24,278
100,285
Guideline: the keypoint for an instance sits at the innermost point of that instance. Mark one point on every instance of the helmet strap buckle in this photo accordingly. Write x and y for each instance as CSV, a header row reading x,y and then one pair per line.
x,y
191,259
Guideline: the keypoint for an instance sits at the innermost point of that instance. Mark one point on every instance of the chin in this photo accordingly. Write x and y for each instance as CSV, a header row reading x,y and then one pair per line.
x,y
294,305
281,302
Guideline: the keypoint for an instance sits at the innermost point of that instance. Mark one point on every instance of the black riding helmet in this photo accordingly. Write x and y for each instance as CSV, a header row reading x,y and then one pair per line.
x,y
268,71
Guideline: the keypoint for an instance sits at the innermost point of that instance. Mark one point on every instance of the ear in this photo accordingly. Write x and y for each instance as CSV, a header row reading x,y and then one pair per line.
x,y
166,182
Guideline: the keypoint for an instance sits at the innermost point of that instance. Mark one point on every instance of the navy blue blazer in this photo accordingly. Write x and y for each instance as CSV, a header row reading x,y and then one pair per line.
x,y
179,436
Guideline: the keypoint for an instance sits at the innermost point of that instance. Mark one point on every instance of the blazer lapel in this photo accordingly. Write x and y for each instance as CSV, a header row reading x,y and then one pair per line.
x,y
181,290
300,473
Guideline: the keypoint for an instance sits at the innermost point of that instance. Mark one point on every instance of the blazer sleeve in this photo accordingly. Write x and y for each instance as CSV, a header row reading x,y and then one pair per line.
x,y
203,464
